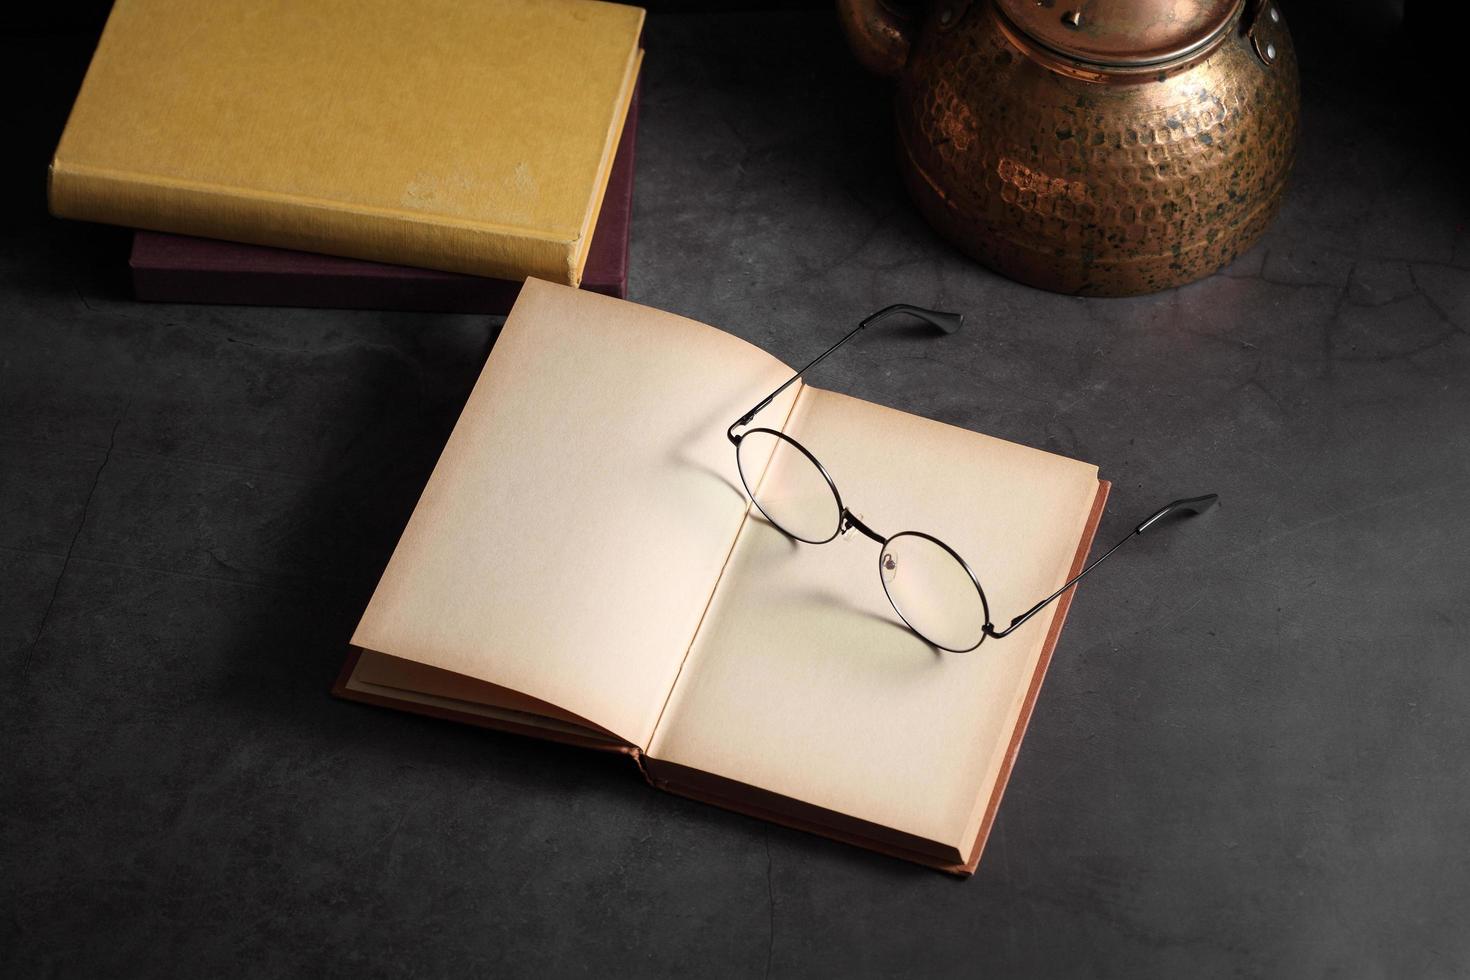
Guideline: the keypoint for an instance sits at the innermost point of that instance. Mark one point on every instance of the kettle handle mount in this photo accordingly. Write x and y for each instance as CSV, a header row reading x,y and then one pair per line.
x,y
878,33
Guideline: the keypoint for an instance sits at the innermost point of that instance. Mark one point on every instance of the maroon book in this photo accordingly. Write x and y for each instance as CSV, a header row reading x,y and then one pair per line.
x,y
182,269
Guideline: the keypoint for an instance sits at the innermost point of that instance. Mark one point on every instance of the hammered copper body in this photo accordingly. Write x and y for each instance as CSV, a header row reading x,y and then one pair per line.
x,y
1142,147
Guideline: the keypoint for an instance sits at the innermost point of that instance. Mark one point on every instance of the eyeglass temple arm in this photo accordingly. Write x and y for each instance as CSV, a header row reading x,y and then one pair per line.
x,y
948,322
1189,505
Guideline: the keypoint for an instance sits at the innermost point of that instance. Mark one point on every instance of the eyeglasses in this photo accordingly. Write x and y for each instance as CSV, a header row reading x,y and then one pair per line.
x,y
929,585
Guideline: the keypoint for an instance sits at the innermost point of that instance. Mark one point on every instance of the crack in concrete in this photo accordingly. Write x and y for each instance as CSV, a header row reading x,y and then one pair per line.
x,y
771,907
25,665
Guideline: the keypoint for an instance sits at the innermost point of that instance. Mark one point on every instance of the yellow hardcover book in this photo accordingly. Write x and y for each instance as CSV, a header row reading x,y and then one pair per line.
x,y
470,137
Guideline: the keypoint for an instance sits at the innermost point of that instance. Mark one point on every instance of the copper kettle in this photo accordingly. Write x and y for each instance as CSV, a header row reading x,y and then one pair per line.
x,y
1098,147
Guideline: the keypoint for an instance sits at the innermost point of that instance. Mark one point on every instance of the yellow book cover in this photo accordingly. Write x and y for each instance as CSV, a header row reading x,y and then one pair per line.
x,y
470,137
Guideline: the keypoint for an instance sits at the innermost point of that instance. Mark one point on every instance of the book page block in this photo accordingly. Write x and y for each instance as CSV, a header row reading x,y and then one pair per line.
x,y
575,526
804,682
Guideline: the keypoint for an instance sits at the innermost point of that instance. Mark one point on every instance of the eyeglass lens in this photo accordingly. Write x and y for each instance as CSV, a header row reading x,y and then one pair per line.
x,y
932,591
788,486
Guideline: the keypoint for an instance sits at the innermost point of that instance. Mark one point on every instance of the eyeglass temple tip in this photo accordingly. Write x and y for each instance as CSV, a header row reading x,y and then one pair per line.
x,y
1186,505
947,322
1189,505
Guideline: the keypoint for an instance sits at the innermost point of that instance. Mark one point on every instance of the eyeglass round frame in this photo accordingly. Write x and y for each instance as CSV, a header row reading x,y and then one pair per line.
x,y
846,520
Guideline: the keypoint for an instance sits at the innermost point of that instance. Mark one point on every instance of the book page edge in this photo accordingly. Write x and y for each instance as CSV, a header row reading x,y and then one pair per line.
x,y
1033,691
752,801
345,688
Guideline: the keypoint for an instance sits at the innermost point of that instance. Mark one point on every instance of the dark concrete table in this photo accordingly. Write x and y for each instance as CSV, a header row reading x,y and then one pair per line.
x,y
1250,756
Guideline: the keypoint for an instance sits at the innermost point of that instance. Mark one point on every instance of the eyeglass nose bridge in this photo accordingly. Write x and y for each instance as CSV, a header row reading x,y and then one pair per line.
x,y
851,522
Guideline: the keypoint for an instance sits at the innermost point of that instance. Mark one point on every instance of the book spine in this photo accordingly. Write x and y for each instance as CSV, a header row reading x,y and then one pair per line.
x,y
184,207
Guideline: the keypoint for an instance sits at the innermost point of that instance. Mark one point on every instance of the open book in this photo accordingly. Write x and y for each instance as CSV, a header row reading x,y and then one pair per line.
x,y
585,566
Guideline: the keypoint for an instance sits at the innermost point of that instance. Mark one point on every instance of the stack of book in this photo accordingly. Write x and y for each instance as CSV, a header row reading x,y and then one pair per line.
x,y
360,153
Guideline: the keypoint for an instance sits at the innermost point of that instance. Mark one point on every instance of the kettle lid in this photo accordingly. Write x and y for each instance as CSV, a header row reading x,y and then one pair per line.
x,y
1121,33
